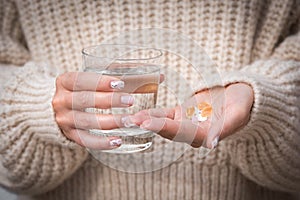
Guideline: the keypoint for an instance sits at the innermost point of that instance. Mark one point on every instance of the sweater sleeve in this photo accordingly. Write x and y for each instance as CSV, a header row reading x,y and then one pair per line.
x,y
12,41
267,149
34,155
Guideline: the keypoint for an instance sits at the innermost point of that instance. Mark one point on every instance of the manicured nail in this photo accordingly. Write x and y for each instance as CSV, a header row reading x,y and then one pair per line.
x,y
124,119
117,84
115,142
214,143
127,100
145,124
127,123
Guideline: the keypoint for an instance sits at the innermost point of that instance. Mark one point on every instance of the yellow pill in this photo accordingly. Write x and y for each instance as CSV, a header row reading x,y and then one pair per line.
x,y
203,105
206,112
190,112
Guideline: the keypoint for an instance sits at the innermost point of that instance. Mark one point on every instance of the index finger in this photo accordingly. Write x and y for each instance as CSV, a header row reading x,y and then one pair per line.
x,y
89,81
180,131
143,115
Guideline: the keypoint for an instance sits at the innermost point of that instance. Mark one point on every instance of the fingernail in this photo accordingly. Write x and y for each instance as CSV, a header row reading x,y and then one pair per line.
x,y
127,123
145,124
117,84
214,143
115,142
124,119
127,100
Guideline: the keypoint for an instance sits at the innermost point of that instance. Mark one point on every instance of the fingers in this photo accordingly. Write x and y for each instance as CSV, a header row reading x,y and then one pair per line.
x,y
88,140
180,131
166,123
144,115
85,121
231,111
76,91
89,81
103,100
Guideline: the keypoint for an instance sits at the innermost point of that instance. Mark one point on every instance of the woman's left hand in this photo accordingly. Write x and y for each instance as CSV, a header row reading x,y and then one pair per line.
x,y
230,111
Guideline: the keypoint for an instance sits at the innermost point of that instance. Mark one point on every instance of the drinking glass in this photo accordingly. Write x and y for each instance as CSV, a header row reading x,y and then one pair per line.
x,y
138,67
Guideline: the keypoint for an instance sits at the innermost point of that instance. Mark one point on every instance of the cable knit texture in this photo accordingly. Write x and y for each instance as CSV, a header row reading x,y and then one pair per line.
x,y
256,42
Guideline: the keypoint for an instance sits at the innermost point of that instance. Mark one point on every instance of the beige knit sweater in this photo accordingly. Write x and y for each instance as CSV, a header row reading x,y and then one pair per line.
x,y
257,42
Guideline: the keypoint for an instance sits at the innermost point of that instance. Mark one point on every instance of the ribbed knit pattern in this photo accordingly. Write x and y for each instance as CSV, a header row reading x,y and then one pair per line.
x,y
30,135
12,44
256,42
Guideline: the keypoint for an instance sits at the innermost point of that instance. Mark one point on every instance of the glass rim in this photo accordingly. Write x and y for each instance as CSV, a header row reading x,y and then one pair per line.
x,y
85,52
151,68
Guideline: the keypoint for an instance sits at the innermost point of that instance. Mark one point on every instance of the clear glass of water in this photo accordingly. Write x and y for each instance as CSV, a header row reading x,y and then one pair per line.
x,y
139,68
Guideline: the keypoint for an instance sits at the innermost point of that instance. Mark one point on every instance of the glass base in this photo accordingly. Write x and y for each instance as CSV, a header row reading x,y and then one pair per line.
x,y
133,139
130,148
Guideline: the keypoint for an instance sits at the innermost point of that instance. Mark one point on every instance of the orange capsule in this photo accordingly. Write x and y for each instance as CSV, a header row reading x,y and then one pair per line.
x,y
190,112
206,112
203,105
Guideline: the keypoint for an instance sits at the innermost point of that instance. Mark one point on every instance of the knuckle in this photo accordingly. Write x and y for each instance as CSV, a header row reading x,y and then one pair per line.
x,y
60,99
67,79
55,102
61,119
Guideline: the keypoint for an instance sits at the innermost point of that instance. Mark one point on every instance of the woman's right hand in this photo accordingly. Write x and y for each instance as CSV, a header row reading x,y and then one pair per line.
x,y
76,91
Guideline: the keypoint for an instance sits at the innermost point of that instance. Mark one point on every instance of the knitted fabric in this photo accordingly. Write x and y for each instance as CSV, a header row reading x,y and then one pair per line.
x,y
256,42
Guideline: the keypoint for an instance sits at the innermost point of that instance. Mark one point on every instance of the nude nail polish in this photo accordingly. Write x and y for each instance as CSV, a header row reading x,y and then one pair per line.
x,y
127,123
127,100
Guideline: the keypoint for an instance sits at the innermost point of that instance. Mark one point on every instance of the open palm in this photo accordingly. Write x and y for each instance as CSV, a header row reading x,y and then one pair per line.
x,y
231,111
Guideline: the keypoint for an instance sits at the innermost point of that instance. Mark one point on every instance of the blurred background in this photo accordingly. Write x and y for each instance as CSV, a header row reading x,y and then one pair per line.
x,y
4,195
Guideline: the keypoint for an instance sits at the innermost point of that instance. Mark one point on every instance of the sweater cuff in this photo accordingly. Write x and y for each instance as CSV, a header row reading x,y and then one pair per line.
x,y
265,150
27,105
257,76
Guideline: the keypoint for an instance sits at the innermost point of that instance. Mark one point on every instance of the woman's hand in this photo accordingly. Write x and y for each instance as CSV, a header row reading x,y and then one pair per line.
x,y
76,91
231,111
